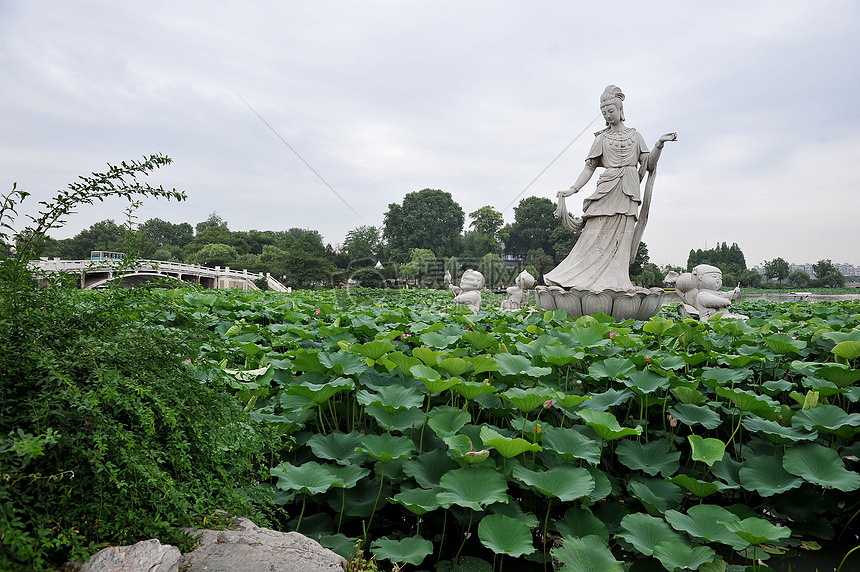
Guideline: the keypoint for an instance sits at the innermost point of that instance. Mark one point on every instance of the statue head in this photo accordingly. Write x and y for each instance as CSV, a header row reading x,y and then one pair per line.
x,y
525,280
707,277
472,280
613,95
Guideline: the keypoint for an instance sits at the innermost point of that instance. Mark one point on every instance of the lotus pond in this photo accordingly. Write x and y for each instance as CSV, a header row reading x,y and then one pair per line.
x,y
457,442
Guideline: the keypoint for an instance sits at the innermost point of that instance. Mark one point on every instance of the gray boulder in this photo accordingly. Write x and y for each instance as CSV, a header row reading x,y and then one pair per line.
x,y
249,548
145,556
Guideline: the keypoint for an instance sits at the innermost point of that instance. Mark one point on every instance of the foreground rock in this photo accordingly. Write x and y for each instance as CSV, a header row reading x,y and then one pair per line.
x,y
246,547
148,555
249,548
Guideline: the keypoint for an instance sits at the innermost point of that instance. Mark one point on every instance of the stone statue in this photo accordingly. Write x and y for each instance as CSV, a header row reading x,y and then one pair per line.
x,y
700,294
469,290
519,294
613,219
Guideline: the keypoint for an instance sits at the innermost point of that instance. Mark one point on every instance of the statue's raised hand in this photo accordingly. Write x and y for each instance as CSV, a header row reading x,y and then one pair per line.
x,y
668,137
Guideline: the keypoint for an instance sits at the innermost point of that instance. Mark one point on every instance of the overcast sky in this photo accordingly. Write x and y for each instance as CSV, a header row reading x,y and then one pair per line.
x,y
383,98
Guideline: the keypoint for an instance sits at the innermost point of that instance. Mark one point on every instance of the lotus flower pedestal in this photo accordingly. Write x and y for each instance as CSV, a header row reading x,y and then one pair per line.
x,y
639,305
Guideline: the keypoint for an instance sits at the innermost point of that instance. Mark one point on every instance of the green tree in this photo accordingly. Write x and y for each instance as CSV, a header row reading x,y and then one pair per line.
x,y
540,261
363,245
428,219
477,244
799,278
492,267
162,233
533,226
486,220
215,255
422,266
729,259
776,269
827,275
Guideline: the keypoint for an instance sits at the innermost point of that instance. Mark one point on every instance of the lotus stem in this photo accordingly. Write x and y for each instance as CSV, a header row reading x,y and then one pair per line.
x,y
376,502
847,554
545,522
302,513
465,535
442,541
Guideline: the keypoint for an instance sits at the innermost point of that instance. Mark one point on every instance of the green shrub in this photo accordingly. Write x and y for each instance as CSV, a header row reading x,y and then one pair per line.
x,y
110,430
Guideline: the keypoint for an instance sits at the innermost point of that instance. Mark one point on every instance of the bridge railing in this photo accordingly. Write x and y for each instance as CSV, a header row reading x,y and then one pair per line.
x,y
157,266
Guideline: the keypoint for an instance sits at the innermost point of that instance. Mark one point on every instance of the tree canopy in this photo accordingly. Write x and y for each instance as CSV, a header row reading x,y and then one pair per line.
x,y
429,219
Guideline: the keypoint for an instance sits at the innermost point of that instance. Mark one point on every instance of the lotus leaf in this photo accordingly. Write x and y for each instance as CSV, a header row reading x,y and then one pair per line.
x,y
569,444
506,446
783,344
337,446
505,535
699,488
446,421
309,478
386,448
455,366
679,555
474,389
709,450
776,433
588,554
428,356
563,482
645,532
657,495
412,550
402,420
340,544
827,418
606,425
373,350
747,400
403,361
320,393
776,386
342,363
392,398
482,364
481,341
688,395
695,415
646,381
602,486
527,400
417,501
607,399
840,374
472,488
848,349
514,510
703,522
612,368
560,355
757,530
569,401
657,325
427,469
652,458
580,522
719,376
766,475
511,365
821,466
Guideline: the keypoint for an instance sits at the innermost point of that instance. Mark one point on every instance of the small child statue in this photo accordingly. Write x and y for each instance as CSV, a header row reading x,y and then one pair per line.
x,y
469,290
519,294
700,294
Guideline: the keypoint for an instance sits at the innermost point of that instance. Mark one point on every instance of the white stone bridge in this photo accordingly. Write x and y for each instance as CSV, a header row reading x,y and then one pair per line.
x,y
94,274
